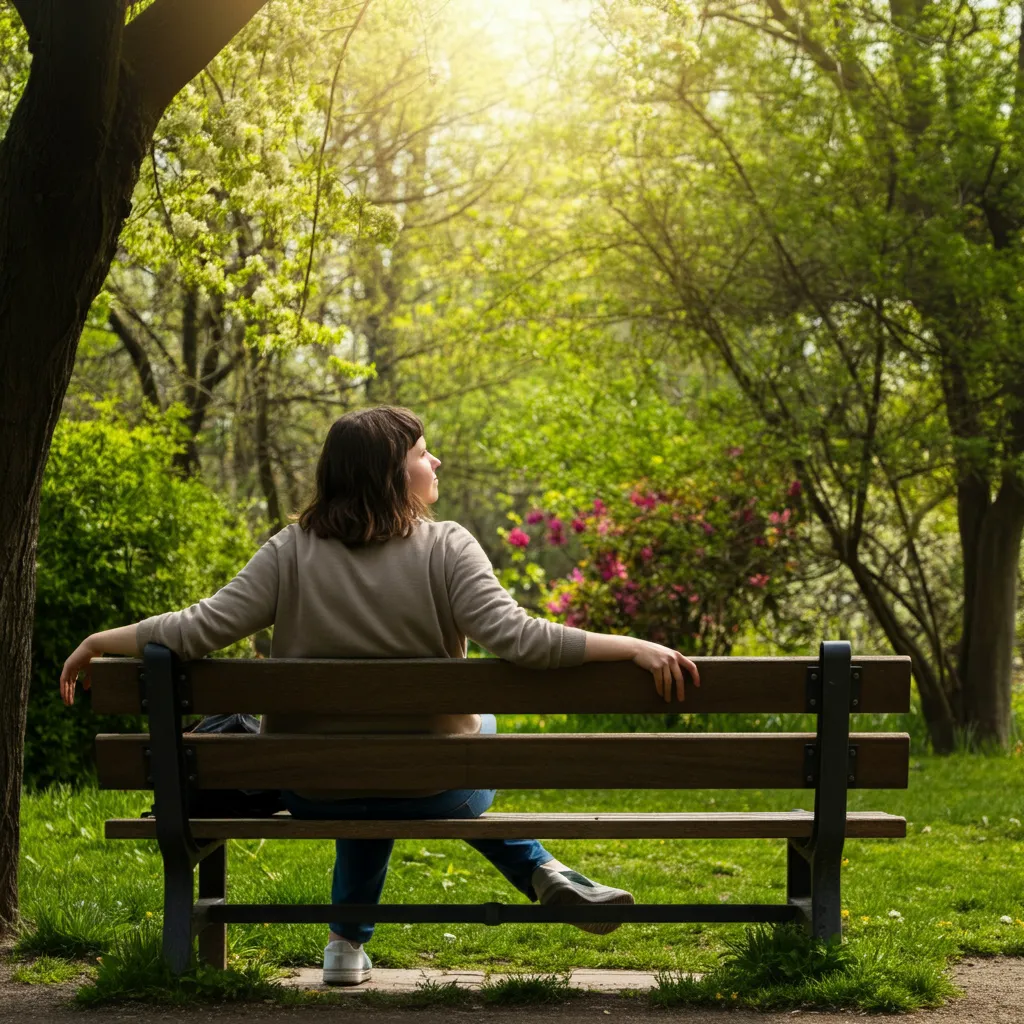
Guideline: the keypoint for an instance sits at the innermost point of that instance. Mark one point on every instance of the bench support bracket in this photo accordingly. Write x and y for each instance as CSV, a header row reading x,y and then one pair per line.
x,y
813,867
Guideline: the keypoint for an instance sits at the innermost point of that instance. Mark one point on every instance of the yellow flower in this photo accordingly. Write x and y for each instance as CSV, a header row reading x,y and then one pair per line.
x,y
718,995
149,913
846,860
865,918
945,924
845,914
735,995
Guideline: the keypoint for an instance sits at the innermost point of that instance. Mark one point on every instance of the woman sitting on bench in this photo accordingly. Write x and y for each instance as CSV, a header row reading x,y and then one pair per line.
x,y
367,573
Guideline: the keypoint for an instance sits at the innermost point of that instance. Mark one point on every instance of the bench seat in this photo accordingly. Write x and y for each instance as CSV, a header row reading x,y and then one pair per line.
x,y
696,825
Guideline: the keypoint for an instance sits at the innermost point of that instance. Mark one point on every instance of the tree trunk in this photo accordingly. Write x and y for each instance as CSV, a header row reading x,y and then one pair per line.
x,y
990,622
264,465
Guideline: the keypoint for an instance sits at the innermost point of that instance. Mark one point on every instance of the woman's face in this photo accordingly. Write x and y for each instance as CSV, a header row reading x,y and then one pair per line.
x,y
420,466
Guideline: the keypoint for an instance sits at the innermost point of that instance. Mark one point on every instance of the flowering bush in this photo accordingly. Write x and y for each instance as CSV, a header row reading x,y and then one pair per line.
x,y
671,565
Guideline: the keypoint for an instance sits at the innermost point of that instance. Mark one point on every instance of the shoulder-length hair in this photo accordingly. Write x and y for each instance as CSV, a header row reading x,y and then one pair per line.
x,y
362,491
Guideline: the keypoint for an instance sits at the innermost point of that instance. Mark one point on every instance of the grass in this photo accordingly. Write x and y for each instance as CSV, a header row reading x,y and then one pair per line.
x,y
48,970
951,883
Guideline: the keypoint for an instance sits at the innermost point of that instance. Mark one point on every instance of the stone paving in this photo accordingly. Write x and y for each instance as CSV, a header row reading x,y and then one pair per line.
x,y
393,980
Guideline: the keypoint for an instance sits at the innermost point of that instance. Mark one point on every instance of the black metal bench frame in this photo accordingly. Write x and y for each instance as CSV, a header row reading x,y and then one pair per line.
x,y
813,865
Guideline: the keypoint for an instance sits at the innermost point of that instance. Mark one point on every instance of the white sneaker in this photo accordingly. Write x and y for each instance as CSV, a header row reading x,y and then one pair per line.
x,y
561,886
345,963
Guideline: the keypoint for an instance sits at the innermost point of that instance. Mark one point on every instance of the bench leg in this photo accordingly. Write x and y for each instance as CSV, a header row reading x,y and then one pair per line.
x,y
826,902
177,933
798,880
213,880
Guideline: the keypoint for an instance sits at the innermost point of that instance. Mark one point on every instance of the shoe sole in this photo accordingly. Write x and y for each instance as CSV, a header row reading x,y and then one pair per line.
x,y
347,977
565,897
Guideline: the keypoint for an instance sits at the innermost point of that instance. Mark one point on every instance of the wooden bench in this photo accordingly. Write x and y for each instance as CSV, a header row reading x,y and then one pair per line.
x,y
828,762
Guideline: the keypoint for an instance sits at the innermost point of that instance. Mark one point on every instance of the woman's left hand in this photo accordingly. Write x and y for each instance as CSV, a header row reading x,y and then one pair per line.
x,y
78,662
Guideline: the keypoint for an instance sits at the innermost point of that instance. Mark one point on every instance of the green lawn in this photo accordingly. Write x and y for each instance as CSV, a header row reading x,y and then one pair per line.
x,y
955,882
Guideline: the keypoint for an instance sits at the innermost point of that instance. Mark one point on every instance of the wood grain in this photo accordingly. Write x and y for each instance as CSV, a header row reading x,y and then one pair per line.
x,y
566,761
754,825
452,686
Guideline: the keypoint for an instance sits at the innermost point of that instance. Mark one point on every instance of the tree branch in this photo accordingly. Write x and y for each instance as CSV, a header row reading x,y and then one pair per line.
x,y
171,42
138,356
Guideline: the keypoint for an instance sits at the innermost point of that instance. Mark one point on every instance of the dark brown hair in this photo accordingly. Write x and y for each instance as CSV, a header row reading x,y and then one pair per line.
x,y
362,492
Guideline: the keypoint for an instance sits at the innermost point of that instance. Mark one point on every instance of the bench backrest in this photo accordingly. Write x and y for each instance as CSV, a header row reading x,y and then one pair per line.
x,y
444,686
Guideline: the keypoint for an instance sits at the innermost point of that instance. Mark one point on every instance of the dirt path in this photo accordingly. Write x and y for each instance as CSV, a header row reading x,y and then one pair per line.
x,y
994,995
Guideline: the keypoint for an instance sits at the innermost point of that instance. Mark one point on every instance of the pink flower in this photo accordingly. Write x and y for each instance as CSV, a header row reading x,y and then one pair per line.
x,y
646,553
600,507
560,604
630,605
735,453
517,538
679,588
643,500
576,576
573,619
694,598
759,580
759,542
578,525
708,528
555,531
534,517
612,568
794,489
779,518
698,552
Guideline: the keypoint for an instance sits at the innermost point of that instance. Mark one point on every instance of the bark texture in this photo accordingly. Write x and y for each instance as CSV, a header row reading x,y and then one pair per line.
x,y
68,165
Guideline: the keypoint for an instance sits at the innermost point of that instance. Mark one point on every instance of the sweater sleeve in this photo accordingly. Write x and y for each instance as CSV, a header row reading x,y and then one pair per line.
x,y
485,612
240,608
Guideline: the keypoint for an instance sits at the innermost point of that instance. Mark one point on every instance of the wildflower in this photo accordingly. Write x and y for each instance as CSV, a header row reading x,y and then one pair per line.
x,y
845,915
1015,821
927,828
535,516
646,553
642,500
578,526
735,995
149,913
794,489
845,861
865,918
759,579
1006,919
517,538
707,528
600,507
576,576
895,915
735,453
945,924
718,995
694,598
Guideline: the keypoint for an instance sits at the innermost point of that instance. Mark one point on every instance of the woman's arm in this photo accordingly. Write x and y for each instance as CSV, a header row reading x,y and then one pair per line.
x,y
111,641
664,663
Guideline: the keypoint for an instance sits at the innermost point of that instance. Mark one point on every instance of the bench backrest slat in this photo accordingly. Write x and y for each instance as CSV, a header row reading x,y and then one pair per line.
x,y
576,761
453,686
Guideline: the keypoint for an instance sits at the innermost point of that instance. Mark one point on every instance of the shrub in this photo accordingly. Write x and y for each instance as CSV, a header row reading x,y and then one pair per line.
x,y
121,537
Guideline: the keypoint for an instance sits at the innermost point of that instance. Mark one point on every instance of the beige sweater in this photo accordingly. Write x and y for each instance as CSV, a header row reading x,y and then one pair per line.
x,y
411,597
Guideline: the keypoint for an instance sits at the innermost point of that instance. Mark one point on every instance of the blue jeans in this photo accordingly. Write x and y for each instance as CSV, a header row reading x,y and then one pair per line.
x,y
361,865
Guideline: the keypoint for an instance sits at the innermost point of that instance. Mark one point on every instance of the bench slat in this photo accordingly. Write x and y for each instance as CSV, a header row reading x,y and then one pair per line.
x,y
697,825
552,761
434,686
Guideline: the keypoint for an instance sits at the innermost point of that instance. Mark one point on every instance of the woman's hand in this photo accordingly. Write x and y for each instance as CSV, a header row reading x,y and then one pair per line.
x,y
666,665
78,662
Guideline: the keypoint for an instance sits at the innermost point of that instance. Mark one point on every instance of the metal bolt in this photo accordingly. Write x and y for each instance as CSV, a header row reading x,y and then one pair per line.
x,y
145,703
852,778
189,752
853,751
149,780
810,778
192,778
855,702
814,677
146,751
184,705
856,677
142,677
814,703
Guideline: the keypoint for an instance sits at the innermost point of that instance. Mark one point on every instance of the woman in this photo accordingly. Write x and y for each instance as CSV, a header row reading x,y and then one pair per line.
x,y
367,573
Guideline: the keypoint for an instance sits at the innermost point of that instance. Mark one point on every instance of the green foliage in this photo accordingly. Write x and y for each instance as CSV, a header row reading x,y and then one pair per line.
x,y
134,971
46,970
784,955
121,537
428,994
529,990
67,927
